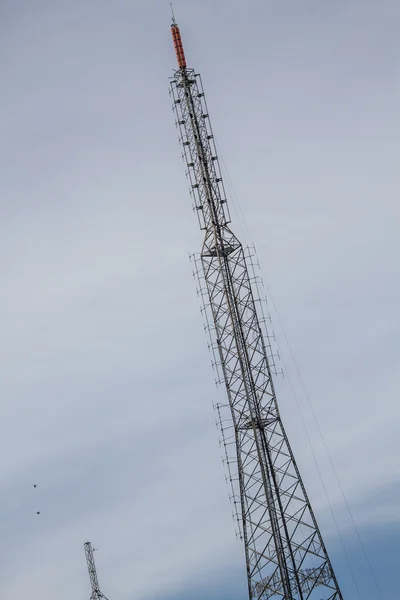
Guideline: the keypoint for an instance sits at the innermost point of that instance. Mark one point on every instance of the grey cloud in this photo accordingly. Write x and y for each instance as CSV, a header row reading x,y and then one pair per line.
x,y
106,387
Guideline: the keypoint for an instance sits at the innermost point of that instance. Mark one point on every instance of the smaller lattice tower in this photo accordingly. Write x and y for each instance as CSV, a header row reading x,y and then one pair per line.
x,y
94,582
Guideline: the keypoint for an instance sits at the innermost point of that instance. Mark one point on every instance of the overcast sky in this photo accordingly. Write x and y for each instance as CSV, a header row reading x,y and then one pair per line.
x,y
106,387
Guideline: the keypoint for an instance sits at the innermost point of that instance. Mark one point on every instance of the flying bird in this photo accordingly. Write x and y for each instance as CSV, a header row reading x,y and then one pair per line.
x,y
38,512
34,485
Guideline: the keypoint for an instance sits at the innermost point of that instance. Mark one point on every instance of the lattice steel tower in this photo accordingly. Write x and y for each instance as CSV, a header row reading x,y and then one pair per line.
x,y
285,554
94,582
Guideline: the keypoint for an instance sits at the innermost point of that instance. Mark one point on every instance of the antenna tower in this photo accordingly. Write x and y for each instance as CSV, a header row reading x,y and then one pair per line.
x,y
284,550
94,582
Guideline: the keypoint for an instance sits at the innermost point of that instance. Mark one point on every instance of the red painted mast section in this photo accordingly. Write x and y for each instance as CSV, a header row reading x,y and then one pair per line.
x,y
180,54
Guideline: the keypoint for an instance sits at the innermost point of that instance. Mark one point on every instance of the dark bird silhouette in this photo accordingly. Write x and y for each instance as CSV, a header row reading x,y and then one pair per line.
x,y
34,485
38,512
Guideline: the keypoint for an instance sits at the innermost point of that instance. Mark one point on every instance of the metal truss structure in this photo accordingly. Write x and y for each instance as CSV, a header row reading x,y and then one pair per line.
x,y
284,550
94,582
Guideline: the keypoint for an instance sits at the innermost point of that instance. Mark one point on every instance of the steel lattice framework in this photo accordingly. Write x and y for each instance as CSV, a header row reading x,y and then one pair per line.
x,y
94,582
285,554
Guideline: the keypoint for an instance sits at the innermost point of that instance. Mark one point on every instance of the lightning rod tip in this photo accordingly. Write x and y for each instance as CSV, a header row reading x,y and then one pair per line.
x,y
172,14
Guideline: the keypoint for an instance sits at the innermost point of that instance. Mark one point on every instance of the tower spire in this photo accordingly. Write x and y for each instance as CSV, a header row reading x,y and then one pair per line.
x,y
286,558
172,14
176,38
